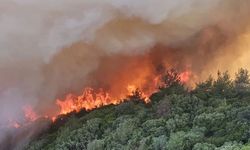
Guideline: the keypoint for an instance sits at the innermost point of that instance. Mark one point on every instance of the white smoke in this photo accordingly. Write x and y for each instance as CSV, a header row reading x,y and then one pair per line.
x,y
49,46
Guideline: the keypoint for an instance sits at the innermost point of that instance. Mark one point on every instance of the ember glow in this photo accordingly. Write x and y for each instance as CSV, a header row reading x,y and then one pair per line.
x,y
137,76
91,99
29,117
13,124
16,125
88,101
185,76
30,114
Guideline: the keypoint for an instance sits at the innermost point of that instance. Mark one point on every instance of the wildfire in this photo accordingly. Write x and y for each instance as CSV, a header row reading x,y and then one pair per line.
x,y
30,115
185,76
88,100
14,124
91,99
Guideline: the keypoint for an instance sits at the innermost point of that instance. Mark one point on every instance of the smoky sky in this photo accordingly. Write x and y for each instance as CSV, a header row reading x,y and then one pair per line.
x,y
49,47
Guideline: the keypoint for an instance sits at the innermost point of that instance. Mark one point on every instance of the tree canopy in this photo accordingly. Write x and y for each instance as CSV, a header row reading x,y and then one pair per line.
x,y
213,116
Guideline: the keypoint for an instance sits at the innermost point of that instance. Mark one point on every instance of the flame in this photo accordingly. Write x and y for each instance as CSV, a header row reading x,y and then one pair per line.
x,y
91,99
145,85
16,125
88,100
29,113
185,76
29,116
132,88
13,124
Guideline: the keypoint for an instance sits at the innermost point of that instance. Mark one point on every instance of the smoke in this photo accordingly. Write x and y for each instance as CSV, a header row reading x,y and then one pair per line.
x,y
50,48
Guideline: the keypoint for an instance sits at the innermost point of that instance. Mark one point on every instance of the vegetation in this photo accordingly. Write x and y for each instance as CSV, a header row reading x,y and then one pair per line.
x,y
213,116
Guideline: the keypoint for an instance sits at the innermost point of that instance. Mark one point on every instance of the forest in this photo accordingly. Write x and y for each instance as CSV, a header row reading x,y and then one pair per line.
x,y
215,115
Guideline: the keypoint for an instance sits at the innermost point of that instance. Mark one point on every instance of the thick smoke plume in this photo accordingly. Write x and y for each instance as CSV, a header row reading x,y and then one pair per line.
x,y
51,48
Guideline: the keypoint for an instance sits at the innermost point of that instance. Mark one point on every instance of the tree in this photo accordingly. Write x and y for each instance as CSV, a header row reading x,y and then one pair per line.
x,y
159,143
178,123
154,127
211,117
171,82
230,146
242,76
203,90
212,122
96,145
223,86
185,140
242,81
162,108
203,146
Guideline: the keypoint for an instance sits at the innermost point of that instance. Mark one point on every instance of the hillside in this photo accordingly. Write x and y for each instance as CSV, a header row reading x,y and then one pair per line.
x,y
213,116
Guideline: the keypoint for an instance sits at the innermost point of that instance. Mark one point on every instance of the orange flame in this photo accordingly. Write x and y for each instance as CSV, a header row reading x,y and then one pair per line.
x,y
13,124
90,98
29,113
16,125
185,76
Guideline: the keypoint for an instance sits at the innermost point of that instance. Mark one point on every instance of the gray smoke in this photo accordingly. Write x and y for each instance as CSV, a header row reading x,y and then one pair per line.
x,y
49,48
